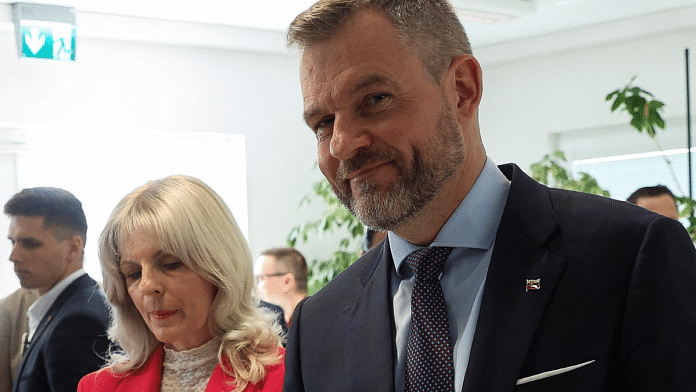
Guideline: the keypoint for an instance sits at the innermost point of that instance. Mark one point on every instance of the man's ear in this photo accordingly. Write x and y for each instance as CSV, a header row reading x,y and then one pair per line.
x,y
465,81
288,282
75,247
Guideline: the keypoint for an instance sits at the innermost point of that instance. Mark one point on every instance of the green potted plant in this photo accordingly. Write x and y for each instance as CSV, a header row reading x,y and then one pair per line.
x,y
335,219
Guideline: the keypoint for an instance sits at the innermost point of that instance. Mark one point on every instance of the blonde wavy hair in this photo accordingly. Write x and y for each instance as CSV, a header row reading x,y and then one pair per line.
x,y
194,224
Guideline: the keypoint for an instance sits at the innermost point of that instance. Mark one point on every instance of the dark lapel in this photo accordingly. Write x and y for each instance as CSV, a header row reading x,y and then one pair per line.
x,y
81,283
510,314
369,325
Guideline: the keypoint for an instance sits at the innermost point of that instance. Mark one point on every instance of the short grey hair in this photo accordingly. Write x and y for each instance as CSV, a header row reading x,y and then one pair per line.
x,y
429,27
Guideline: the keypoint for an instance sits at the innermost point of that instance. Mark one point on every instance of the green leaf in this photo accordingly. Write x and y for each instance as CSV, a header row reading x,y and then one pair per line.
x,y
335,219
656,105
562,177
560,154
611,95
637,123
619,100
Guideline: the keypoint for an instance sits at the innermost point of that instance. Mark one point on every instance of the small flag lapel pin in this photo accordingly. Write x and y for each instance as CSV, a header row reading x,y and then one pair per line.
x,y
533,284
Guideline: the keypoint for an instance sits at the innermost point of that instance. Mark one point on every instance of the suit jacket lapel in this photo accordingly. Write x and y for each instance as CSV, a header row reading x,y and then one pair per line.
x,y
369,329
510,313
74,287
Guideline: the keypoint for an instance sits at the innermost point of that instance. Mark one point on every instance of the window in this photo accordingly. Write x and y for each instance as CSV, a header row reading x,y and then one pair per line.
x,y
101,165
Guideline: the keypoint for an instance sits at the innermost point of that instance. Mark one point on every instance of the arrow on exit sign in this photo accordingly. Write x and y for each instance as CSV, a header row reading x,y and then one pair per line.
x,y
47,40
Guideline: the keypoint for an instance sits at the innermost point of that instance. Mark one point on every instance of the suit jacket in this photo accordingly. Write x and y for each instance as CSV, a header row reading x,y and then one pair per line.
x,y
13,326
148,378
615,310
70,341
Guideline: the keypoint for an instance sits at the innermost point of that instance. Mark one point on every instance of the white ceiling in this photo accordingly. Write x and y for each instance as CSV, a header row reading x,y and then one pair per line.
x,y
551,16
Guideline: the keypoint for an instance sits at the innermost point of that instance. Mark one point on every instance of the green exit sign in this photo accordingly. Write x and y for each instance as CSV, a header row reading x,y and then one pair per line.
x,y
45,31
48,41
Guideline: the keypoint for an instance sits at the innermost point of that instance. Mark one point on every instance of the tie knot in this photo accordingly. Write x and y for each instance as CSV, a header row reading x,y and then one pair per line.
x,y
427,263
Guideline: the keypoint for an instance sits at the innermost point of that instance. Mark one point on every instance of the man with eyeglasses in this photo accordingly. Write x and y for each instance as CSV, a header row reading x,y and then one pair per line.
x,y
281,278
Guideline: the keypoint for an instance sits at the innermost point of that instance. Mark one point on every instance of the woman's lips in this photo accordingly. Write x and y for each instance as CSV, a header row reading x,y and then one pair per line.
x,y
162,314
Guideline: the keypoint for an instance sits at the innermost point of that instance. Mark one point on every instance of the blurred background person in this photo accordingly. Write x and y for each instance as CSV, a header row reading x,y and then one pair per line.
x,y
178,275
656,198
282,278
66,336
13,325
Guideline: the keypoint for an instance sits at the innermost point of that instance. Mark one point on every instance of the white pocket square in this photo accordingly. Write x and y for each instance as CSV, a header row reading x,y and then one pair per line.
x,y
552,373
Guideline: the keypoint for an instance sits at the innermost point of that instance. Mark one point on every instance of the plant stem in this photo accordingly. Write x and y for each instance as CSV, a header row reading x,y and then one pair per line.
x,y
669,165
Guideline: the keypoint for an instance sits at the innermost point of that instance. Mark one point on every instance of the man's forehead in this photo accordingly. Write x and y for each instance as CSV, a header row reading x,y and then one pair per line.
x,y
28,222
263,262
27,227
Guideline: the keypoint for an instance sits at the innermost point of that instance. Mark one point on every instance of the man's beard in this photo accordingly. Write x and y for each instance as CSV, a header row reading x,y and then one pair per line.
x,y
392,208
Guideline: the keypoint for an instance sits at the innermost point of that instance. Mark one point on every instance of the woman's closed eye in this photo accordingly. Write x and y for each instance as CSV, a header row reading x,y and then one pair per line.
x,y
173,265
131,275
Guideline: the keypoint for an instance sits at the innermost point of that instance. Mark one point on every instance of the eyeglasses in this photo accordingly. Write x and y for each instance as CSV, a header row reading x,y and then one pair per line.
x,y
262,277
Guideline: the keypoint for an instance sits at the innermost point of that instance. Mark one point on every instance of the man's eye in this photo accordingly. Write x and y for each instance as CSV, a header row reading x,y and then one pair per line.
x,y
323,127
376,98
31,244
324,123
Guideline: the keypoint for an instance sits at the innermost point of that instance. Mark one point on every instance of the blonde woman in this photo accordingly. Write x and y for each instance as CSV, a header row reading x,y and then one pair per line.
x,y
178,275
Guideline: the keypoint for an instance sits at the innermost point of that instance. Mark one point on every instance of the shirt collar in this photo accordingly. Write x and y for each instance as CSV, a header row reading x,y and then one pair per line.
x,y
473,224
38,309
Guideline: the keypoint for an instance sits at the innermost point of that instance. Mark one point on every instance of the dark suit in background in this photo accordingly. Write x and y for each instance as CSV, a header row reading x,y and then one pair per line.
x,y
616,305
69,342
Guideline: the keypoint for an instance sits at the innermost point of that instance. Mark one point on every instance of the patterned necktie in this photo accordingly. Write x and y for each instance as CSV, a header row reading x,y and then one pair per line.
x,y
429,365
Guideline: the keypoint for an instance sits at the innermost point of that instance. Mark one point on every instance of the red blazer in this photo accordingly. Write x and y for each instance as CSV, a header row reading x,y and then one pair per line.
x,y
148,378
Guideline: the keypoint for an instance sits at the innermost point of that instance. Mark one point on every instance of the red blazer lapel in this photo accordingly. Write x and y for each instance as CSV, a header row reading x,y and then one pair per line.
x,y
146,379
222,382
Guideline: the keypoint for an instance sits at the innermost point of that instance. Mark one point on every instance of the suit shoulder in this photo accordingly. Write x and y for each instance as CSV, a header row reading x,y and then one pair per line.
x,y
349,282
583,207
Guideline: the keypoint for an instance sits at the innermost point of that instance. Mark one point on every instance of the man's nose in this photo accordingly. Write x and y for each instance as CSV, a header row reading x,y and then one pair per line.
x,y
349,136
15,253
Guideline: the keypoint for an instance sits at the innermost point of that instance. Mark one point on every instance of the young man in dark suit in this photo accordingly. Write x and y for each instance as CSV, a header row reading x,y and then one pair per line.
x,y
68,322
541,289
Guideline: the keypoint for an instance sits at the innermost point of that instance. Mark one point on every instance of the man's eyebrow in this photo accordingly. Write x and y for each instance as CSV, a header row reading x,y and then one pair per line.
x,y
23,239
366,81
309,114
370,80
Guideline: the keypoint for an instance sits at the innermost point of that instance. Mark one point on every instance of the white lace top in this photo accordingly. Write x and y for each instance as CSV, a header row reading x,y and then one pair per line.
x,y
190,370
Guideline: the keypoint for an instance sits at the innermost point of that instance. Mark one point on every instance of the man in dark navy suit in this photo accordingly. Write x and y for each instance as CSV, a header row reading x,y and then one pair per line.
x,y
544,289
68,322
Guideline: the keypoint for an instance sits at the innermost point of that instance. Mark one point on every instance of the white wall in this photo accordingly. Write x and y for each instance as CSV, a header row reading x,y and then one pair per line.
x,y
526,101
181,88
187,85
